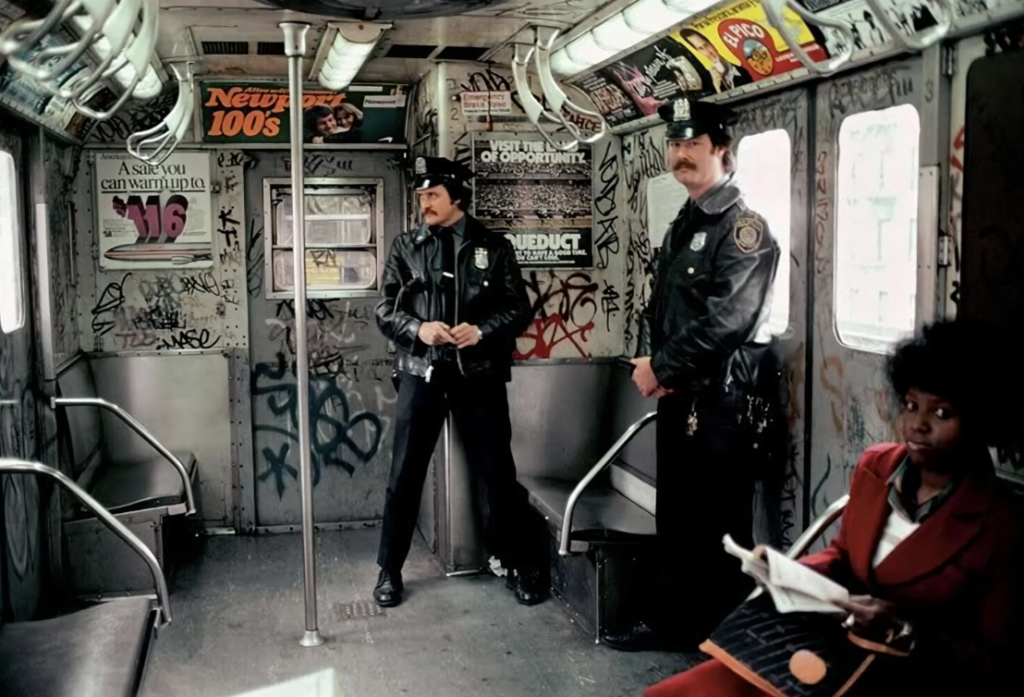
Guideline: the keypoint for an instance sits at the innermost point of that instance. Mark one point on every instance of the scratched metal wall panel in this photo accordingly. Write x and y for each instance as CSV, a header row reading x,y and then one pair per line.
x,y
351,391
643,158
24,548
778,501
63,162
184,401
579,312
851,404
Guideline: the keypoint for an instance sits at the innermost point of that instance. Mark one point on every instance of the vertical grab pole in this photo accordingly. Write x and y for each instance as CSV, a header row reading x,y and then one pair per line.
x,y
295,49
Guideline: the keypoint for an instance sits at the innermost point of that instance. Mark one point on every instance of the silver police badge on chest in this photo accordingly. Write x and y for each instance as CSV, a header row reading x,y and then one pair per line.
x,y
699,240
480,257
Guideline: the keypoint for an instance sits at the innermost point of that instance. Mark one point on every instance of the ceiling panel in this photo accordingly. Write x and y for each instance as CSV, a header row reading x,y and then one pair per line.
x,y
253,22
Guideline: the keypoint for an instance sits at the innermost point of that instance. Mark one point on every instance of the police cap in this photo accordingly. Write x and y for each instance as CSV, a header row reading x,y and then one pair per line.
x,y
688,119
435,171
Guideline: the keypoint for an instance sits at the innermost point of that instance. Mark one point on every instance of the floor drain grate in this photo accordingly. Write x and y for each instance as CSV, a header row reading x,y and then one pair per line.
x,y
358,610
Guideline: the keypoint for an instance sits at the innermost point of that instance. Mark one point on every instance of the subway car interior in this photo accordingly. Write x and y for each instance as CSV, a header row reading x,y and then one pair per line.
x,y
196,444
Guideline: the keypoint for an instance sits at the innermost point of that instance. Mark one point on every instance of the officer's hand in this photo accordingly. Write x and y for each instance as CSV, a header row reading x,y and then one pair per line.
x,y
435,334
466,335
644,377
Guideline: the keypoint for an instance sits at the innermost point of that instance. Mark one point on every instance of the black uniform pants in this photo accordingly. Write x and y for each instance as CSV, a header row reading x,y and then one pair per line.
x,y
705,491
479,407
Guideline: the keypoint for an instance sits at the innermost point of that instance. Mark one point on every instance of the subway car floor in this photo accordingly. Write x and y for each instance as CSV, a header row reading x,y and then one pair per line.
x,y
238,616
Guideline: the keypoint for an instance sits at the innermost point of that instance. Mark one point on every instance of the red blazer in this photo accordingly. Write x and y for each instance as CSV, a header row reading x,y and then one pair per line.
x,y
955,578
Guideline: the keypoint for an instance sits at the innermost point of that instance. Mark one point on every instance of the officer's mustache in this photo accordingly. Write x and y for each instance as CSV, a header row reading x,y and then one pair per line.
x,y
683,164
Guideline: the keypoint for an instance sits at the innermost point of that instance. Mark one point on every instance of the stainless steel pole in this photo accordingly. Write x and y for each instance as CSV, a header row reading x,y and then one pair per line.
x,y
295,49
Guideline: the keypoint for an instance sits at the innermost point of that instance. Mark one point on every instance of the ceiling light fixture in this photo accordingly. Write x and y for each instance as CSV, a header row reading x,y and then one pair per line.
x,y
352,44
638,22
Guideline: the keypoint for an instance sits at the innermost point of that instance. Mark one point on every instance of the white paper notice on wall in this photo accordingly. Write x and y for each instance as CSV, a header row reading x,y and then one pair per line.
x,y
485,103
665,197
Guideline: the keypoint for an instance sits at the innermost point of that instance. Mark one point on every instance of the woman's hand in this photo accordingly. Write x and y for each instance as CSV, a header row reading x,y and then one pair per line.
x,y
870,613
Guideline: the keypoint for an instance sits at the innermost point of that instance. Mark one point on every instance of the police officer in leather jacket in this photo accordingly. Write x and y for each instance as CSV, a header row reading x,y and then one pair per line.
x,y
702,343
454,304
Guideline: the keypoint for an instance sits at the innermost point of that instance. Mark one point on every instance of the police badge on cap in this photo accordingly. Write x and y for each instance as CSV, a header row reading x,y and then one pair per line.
x,y
434,171
689,119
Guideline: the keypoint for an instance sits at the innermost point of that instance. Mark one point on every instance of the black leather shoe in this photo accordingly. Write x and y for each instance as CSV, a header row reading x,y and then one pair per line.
x,y
388,592
640,637
526,584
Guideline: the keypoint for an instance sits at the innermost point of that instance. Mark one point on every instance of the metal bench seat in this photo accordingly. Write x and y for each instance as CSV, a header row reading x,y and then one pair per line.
x,y
100,650
601,513
136,485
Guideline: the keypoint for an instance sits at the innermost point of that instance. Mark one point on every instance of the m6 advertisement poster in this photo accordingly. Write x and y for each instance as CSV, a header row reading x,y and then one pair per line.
x,y
260,112
540,197
724,50
154,216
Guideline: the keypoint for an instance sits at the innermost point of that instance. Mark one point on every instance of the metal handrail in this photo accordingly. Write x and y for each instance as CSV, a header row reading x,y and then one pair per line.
x,y
12,466
796,550
141,430
833,513
570,506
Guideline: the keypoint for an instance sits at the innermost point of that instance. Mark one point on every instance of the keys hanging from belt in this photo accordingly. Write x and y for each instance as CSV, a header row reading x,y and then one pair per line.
x,y
691,420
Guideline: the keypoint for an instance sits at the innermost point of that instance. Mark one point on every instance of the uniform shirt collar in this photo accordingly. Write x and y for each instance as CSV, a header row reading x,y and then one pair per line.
x,y
903,486
459,227
720,196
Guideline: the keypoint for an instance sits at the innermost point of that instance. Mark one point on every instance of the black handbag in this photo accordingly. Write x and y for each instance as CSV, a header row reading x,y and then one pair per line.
x,y
797,654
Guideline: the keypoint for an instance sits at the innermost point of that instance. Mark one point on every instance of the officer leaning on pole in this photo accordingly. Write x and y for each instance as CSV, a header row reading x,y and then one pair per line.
x,y
454,304
704,339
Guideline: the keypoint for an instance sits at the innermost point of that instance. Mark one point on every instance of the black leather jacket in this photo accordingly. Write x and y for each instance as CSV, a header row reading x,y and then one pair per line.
x,y
490,294
707,320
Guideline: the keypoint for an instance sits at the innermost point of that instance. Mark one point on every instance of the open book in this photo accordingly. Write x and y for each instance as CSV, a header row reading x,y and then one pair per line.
x,y
793,586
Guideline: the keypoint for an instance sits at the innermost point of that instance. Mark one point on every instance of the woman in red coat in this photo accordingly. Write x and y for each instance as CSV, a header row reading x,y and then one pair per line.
x,y
927,539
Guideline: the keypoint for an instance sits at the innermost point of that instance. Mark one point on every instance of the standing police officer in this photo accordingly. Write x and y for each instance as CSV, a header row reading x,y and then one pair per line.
x,y
705,336
454,304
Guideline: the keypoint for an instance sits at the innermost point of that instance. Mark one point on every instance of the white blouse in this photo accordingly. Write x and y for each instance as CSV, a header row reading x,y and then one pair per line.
x,y
897,529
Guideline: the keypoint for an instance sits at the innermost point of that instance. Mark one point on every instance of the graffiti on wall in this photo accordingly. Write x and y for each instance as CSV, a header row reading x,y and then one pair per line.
x,y
642,159
565,309
336,434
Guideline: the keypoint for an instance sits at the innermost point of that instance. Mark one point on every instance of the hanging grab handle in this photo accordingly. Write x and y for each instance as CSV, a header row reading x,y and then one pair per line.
x,y
773,8
540,51
557,97
25,38
533,108
156,144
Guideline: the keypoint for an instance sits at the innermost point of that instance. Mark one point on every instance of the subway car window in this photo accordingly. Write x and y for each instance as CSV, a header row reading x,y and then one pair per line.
x,y
343,243
12,300
764,172
876,228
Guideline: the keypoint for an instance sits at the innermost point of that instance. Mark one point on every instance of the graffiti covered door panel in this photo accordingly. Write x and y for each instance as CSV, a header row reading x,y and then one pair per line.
x,y
771,151
865,237
351,392
992,287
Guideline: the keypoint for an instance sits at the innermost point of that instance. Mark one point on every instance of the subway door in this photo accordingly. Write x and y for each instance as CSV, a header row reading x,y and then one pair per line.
x,y
992,244
874,236
22,538
771,151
